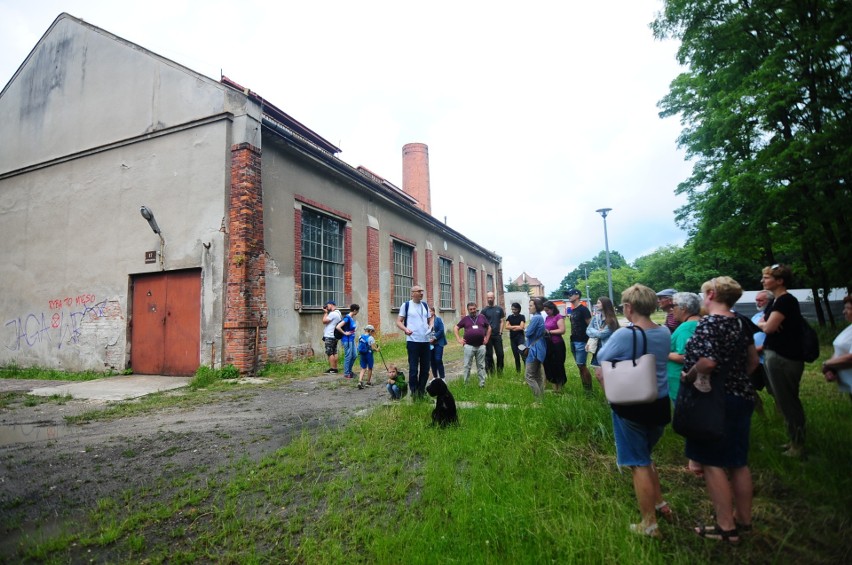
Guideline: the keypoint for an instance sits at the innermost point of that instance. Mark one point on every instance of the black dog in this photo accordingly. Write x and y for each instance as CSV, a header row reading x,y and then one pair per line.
x,y
444,413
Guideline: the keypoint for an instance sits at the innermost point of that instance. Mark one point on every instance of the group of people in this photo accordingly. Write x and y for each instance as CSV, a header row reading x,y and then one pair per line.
x,y
702,335
546,348
342,329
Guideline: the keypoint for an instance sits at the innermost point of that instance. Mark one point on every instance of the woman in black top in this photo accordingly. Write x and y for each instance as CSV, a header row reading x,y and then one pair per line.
x,y
515,323
782,324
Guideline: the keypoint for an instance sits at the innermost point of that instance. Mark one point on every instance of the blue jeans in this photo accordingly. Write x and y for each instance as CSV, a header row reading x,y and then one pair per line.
x,y
349,354
418,367
438,362
393,390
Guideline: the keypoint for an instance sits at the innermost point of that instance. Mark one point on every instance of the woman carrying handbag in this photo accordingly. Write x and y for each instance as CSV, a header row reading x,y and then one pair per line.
x,y
638,427
719,358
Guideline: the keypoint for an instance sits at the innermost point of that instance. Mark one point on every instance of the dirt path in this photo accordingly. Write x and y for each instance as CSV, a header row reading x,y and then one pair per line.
x,y
50,471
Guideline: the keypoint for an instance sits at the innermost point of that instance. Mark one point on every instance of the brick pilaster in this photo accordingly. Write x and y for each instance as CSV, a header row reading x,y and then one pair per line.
x,y
462,285
430,280
245,320
347,266
374,309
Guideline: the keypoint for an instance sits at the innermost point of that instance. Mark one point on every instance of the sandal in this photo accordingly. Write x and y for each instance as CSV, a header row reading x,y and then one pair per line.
x,y
744,528
695,468
716,533
652,531
664,511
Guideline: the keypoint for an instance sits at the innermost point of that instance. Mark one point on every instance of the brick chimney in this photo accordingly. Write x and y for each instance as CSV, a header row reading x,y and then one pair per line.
x,y
415,174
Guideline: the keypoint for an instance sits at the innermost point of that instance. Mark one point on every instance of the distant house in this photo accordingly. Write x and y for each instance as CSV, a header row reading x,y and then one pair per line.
x,y
535,285
252,221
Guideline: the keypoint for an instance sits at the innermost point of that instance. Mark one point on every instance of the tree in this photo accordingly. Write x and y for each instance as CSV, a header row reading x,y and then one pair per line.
x,y
686,269
622,278
585,269
766,109
515,287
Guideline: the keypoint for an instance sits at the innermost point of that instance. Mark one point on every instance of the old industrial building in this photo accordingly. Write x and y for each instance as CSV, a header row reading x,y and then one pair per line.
x,y
250,220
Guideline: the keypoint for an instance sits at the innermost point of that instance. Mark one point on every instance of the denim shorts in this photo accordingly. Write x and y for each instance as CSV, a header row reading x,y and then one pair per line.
x,y
578,348
634,442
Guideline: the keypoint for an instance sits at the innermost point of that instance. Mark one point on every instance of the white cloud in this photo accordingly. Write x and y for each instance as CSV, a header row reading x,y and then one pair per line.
x,y
535,115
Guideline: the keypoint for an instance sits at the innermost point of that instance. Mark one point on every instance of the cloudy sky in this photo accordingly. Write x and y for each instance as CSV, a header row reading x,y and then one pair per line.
x,y
535,114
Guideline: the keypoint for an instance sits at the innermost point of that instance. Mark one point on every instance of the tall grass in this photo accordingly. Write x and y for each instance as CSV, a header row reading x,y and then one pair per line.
x,y
515,482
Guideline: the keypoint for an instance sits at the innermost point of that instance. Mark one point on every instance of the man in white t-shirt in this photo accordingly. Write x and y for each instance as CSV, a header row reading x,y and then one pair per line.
x,y
415,321
330,318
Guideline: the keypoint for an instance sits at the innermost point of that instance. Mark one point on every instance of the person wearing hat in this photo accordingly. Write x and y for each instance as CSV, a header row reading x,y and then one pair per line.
x,y
666,304
366,345
580,318
331,317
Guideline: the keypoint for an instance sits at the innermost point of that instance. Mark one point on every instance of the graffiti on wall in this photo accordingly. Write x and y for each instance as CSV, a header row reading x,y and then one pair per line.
x,y
61,325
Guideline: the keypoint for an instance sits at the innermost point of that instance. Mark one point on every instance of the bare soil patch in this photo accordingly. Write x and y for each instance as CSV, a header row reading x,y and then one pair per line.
x,y
52,473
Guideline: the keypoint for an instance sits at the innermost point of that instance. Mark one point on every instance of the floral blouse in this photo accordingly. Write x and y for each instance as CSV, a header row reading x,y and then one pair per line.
x,y
724,340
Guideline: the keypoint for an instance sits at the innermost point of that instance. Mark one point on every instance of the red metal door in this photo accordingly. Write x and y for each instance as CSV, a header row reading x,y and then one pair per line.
x,y
166,331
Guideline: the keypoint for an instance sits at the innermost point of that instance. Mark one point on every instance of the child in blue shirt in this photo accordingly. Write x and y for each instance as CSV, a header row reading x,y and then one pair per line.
x,y
366,345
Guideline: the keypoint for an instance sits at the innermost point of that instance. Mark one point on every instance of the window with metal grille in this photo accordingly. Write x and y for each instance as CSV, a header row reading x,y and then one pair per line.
x,y
471,286
446,281
403,272
322,259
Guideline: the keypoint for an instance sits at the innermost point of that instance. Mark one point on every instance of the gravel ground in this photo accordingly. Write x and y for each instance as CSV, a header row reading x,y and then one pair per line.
x,y
51,472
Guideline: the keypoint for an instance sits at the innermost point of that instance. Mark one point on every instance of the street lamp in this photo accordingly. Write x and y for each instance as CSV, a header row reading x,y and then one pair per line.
x,y
149,217
603,212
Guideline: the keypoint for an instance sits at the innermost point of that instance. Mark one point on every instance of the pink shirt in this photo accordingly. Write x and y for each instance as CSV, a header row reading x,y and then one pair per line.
x,y
551,324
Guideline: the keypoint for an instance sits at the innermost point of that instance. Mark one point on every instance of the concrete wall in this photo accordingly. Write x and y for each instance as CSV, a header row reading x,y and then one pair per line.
x,y
82,87
92,128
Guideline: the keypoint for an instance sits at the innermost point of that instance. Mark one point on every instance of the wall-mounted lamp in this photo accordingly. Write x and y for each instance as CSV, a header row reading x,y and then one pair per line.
x,y
149,216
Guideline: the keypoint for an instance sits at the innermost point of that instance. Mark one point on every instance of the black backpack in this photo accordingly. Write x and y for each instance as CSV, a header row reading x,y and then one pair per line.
x,y
810,343
404,311
338,334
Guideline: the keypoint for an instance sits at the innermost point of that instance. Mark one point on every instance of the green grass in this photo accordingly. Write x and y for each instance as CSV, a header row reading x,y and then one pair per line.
x,y
515,483
12,371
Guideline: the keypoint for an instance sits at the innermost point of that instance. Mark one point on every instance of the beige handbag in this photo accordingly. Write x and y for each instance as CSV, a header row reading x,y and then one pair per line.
x,y
631,381
592,345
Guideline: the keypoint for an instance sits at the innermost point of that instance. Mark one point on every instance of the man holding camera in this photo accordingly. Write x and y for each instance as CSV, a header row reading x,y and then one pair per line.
x,y
331,317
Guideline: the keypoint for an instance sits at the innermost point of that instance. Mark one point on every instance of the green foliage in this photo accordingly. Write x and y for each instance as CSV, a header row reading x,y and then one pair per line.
x,y
765,107
205,376
514,287
13,371
577,277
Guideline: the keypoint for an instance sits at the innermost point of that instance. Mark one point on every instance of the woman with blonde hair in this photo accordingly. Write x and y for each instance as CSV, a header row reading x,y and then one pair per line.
x,y
782,353
721,343
638,427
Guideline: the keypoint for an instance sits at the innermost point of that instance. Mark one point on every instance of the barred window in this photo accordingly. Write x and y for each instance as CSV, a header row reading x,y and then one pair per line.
x,y
489,283
322,259
471,286
403,272
446,281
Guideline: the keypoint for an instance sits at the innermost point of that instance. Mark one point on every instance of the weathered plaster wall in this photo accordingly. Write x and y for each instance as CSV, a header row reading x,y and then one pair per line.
x,y
82,87
72,237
